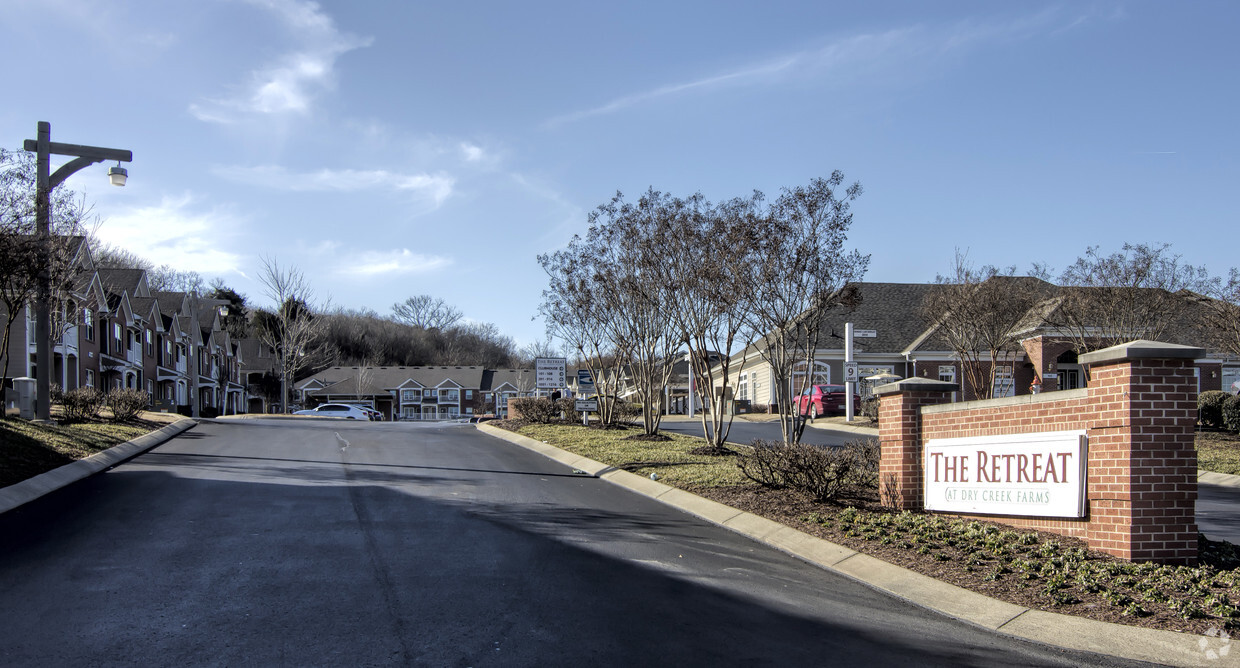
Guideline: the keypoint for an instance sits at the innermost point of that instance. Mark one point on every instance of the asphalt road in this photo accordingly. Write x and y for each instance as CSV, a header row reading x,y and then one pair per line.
x,y
280,543
1217,515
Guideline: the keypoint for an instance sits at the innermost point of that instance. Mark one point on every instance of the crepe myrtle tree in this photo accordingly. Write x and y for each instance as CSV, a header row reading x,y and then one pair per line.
x,y
1142,291
800,271
705,251
978,311
641,327
574,313
21,260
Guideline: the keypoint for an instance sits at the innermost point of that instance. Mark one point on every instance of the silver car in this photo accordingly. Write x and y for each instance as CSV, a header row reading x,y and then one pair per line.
x,y
344,411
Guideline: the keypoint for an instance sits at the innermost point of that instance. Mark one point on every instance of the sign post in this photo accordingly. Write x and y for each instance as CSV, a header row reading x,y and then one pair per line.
x,y
549,373
849,384
585,387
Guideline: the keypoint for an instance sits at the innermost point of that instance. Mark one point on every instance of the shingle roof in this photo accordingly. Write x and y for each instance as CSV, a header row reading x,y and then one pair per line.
x,y
380,380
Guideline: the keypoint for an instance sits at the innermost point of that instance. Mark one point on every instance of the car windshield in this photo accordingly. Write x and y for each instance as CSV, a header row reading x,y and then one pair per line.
x,y
830,388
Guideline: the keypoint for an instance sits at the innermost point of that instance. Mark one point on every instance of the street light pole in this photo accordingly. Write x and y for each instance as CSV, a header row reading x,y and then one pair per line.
x,y
84,156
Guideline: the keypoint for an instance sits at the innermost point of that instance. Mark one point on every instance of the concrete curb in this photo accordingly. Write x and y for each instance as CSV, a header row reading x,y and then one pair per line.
x,y
1220,479
1166,647
46,483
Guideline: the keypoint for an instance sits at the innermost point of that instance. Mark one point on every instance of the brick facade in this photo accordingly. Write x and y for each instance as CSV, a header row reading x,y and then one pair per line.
x,y
1139,413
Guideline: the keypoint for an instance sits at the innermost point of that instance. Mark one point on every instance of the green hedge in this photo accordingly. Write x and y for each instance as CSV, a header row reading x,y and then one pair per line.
x,y
1231,413
1210,408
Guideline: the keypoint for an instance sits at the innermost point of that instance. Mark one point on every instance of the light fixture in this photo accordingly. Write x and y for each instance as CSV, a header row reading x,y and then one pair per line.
x,y
118,175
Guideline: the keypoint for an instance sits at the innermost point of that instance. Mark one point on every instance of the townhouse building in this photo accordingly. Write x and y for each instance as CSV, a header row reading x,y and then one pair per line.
x,y
419,392
112,331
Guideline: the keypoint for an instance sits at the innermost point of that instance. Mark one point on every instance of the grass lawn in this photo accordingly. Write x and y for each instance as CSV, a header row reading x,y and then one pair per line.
x,y
1021,566
1218,451
31,449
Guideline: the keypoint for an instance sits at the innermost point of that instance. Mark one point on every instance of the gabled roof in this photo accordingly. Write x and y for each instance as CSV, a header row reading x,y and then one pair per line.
x,y
131,281
385,379
521,380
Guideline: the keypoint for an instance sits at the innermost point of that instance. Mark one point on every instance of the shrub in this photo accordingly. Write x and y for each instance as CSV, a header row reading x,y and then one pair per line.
x,y
1210,408
869,408
125,403
627,412
817,471
569,408
539,410
1231,413
82,403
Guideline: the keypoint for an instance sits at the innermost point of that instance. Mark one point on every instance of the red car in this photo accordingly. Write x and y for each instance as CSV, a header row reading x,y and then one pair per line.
x,y
824,400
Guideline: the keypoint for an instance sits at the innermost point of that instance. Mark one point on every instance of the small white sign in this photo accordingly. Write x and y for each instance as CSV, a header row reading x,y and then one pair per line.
x,y
1036,475
851,372
586,405
865,333
549,373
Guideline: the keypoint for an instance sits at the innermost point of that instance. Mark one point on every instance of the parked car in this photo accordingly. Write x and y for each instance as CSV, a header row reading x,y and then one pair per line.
x,y
375,416
344,411
825,400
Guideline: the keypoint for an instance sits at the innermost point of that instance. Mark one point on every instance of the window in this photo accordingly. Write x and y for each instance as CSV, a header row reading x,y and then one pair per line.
x,y
742,387
150,344
410,395
88,319
90,378
469,395
1004,385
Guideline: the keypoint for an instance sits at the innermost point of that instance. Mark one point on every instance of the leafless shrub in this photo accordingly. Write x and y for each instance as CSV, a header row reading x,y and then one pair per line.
x,y
819,472
889,492
538,410
126,403
82,403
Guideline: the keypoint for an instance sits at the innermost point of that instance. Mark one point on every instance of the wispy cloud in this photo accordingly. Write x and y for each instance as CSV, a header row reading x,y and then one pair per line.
x,y
177,233
397,262
868,54
436,187
293,81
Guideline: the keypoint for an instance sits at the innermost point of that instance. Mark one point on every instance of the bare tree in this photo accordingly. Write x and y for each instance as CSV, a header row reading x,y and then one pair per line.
x,y
706,252
427,312
639,325
292,328
575,315
1132,294
800,270
977,312
21,257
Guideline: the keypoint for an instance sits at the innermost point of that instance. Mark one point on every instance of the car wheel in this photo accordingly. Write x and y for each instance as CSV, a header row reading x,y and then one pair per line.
x,y
813,413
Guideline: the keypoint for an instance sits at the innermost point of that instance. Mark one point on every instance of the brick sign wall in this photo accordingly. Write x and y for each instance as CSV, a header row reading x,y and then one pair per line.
x,y
1138,415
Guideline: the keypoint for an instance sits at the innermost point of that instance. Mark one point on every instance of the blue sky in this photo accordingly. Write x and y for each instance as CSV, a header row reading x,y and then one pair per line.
x,y
389,149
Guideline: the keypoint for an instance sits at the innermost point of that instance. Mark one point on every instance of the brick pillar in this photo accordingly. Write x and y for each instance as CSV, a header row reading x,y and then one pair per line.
x,y
899,437
1142,476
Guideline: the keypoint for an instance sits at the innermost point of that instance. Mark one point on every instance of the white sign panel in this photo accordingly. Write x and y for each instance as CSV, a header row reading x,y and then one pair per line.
x,y
549,373
586,405
851,372
865,333
1039,475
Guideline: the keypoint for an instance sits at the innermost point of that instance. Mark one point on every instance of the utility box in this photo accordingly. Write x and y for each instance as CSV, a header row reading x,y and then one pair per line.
x,y
25,390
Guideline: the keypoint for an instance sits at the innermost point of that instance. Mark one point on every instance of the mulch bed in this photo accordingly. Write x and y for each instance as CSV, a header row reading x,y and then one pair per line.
x,y
792,509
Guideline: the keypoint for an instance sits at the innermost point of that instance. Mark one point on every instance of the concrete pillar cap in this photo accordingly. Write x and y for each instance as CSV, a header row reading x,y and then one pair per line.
x,y
1142,350
917,385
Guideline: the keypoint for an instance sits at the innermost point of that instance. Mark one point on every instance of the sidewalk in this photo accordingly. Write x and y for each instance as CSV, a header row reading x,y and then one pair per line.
x,y
1165,647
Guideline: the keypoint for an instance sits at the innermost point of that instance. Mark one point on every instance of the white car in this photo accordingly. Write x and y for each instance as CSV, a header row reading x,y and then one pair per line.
x,y
344,411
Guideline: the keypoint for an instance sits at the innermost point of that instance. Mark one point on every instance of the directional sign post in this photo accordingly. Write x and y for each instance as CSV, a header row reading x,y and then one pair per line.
x,y
549,373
